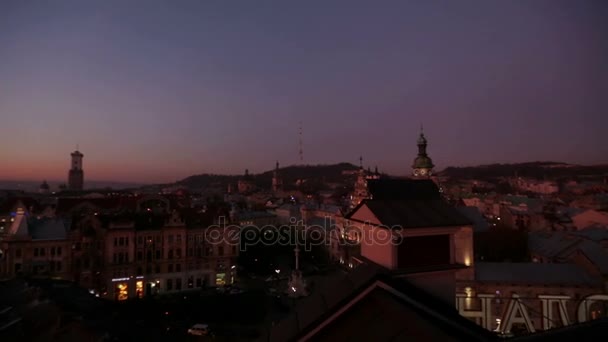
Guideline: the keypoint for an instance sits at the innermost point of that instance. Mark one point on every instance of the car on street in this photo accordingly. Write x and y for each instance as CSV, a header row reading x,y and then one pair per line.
x,y
199,330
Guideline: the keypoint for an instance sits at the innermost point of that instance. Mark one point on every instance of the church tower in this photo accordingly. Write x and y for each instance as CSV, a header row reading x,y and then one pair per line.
x,y
76,174
423,165
360,188
277,182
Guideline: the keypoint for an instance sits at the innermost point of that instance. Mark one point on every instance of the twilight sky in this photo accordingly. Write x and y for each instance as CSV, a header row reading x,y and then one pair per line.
x,y
154,91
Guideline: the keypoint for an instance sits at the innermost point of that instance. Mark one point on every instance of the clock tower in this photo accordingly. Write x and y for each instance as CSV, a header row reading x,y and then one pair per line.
x,y
423,165
76,174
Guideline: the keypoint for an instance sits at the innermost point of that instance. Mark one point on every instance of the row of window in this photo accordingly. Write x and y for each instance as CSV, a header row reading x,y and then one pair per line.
x,y
191,282
121,241
177,253
177,238
41,251
120,258
53,266
121,273
85,263
86,245
175,268
178,284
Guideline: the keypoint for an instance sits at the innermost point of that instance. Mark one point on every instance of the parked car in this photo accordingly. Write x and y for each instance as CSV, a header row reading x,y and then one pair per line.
x,y
199,330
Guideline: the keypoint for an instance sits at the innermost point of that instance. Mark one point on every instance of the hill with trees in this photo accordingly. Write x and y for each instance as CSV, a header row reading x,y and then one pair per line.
x,y
332,173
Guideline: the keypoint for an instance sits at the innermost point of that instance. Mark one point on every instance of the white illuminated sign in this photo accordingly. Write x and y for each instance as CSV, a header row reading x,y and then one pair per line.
x,y
517,312
120,279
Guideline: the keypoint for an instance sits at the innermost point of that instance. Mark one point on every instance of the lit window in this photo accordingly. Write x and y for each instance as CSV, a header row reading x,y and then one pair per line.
x,y
122,291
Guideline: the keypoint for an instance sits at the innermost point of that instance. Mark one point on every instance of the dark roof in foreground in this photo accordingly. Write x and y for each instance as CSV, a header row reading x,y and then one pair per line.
x,y
415,213
369,305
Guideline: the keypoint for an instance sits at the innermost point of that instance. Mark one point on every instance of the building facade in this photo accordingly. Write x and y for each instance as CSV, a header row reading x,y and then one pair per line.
x,y
118,253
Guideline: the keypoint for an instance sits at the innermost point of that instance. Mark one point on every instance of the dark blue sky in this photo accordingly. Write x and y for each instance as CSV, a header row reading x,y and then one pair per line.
x,y
159,90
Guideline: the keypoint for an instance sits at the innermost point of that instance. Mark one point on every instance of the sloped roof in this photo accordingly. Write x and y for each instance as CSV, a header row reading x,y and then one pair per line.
x,y
48,229
352,296
552,244
18,227
414,213
595,232
596,254
472,214
534,273
403,189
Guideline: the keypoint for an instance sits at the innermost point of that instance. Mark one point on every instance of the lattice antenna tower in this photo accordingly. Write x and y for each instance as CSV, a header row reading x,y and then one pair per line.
x,y
301,150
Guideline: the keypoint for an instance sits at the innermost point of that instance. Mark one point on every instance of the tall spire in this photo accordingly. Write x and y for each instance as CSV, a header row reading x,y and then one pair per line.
x,y
361,162
421,142
423,165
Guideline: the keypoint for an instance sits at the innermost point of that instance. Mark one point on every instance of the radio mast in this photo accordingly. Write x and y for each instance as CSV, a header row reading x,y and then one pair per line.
x,y
301,150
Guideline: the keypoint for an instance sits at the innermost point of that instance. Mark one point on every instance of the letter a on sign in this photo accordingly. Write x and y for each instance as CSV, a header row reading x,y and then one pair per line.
x,y
511,316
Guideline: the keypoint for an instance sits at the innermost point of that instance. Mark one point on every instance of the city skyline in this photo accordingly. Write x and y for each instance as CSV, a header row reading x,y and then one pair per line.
x,y
154,92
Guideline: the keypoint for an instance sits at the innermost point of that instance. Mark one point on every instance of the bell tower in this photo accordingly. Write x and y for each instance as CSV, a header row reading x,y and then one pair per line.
x,y
76,174
423,165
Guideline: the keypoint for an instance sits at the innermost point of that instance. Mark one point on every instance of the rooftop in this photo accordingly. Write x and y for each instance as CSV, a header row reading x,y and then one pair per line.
x,y
388,308
403,189
596,254
474,215
48,229
534,274
415,213
552,244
